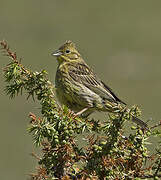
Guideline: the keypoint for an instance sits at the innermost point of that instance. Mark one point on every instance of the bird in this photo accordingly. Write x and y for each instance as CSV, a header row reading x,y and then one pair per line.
x,y
80,89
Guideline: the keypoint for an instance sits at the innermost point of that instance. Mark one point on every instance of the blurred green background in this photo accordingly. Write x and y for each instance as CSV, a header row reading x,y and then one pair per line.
x,y
121,40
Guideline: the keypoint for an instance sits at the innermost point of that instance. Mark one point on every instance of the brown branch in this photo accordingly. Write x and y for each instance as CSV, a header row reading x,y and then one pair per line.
x,y
40,175
156,125
5,48
149,176
35,156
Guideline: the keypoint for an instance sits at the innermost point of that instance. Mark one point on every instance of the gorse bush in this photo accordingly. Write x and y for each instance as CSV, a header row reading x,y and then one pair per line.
x,y
105,154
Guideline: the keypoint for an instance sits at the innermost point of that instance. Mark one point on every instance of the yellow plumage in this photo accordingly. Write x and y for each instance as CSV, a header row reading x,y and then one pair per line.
x,y
79,88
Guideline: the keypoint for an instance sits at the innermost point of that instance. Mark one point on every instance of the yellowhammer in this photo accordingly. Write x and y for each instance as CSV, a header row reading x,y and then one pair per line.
x,y
79,88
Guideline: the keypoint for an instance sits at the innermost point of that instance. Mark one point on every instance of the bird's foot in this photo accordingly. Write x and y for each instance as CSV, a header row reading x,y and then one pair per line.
x,y
74,115
81,112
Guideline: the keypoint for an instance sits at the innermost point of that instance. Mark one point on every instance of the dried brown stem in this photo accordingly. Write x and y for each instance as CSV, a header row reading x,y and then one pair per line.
x,y
5,48
156,125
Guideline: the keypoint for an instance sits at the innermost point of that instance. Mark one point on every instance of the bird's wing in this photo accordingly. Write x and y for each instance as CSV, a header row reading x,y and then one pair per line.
x,y
83,74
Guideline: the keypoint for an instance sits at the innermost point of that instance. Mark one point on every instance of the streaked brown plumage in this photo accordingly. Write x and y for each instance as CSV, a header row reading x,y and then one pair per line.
x,y
78,87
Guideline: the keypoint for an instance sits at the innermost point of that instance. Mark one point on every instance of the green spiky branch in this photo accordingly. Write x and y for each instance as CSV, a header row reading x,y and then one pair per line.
x,y
105,153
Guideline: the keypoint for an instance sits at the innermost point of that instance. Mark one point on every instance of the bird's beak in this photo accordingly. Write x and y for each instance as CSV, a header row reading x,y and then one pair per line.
x,y
57,53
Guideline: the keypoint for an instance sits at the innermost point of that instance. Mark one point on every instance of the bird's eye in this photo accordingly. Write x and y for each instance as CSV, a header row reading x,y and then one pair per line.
x,y
67,51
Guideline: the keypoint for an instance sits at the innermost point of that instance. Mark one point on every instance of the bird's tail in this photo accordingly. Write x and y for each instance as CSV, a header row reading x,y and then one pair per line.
x,y
139,122
121,108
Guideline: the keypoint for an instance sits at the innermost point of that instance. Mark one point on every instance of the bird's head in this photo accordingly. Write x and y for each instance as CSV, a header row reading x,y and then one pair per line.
x,y
67,53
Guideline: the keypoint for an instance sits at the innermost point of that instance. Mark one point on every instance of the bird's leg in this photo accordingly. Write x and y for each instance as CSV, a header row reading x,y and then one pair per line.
x,y
80,112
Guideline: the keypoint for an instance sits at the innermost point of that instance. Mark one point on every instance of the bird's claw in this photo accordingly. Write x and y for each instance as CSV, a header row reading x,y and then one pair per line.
x,y
73,114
